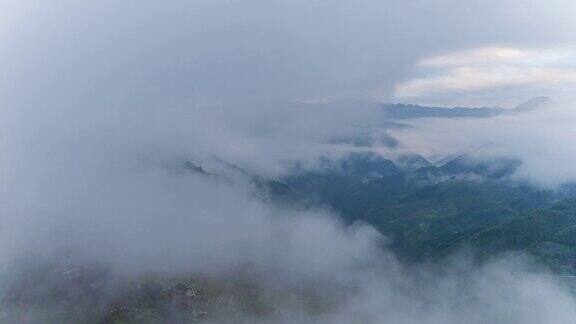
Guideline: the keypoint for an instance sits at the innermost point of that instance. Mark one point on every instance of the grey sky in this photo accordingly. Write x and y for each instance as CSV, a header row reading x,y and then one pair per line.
x,y
185,51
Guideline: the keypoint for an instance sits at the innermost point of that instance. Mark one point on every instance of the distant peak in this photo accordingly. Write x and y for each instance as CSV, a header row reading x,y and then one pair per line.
x,y
533,103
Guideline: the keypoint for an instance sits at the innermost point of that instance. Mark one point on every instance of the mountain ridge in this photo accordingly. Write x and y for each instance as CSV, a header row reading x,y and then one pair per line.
x,y
401,111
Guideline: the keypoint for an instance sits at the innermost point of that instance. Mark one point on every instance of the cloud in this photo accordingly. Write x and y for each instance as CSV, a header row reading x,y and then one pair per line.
x,y
492,55
99,98
477,72
477,56
541,140
470,79
102,190
189,51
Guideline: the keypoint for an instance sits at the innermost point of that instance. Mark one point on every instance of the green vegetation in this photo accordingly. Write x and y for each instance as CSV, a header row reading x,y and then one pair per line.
x,y
431,212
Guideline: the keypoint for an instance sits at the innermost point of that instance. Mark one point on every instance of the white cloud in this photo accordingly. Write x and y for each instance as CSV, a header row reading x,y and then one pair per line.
x,y
476,56
544,71
491,55
463,79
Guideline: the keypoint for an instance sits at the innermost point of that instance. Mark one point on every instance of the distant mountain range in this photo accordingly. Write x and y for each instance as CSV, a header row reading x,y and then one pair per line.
x,y
407,111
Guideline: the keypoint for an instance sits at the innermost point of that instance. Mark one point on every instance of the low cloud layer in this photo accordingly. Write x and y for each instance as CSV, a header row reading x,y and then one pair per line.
x,y
541,139
100,99
108,192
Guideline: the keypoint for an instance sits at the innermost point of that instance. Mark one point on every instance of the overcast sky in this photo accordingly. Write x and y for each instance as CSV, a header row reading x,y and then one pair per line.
x,y
443,52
